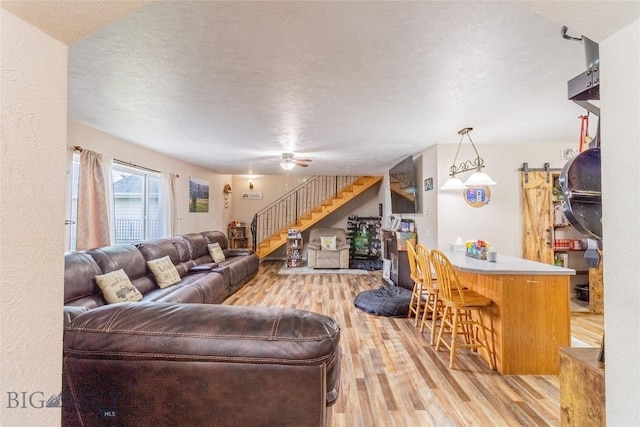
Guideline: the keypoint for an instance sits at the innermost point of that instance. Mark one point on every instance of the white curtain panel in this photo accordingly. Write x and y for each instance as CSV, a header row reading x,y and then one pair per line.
x,y
93,205
168,205
107,165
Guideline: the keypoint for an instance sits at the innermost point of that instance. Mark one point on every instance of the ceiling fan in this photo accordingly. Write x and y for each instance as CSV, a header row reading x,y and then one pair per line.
x,y
288,161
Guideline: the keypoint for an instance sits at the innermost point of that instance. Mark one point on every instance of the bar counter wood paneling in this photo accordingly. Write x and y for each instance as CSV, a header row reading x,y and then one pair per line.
x,y
530,314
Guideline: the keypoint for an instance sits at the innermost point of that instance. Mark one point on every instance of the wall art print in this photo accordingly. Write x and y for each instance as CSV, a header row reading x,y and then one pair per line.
x,y
198,195
428,184
252,195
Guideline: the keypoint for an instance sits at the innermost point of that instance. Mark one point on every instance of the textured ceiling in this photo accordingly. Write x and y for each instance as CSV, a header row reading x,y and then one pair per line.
x,y
355,86
70,20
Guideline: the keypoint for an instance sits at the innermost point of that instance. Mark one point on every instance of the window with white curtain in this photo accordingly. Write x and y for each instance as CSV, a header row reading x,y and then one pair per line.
x,y
135,204
135,201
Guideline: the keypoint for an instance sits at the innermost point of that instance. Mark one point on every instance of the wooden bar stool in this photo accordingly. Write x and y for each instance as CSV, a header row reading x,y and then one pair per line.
x,y
461,315
433,308
419,293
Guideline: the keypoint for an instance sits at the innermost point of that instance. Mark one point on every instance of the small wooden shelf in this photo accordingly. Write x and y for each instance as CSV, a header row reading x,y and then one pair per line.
x,y
237,235
295,251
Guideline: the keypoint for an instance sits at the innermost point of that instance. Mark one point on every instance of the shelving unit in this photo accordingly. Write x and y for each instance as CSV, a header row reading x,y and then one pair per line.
x,y
237,235
568,244
549,237
295,249
363,236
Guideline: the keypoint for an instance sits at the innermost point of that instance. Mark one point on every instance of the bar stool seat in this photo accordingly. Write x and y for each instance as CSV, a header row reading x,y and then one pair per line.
x,y
419,293
462,313
433,308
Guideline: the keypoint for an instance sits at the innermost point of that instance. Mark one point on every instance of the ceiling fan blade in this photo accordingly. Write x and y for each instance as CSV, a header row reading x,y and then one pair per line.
x,y
304,160
299,163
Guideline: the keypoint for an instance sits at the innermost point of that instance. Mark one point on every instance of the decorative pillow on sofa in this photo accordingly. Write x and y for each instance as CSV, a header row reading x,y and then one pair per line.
x,y
116,287
164,271
216,252
328,243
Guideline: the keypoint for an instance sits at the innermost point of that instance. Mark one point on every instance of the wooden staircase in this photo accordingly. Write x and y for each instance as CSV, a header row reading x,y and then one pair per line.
x,y
324,209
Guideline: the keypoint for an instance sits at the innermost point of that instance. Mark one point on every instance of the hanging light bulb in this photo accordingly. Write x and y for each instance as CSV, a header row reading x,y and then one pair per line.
x,y
479,179
286,165
453,183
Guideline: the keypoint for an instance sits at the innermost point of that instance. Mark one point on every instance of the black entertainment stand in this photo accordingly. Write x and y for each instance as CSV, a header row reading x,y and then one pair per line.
x,y
397,254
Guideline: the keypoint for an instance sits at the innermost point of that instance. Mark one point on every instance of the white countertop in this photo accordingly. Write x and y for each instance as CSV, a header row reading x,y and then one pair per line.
x,y
505,264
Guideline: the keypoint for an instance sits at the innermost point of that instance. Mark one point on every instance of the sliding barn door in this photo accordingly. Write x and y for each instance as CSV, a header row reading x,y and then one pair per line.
x,y
536,216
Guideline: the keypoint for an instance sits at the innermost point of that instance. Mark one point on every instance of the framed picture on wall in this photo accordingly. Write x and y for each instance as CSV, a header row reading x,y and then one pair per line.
x,y
198,195
428,184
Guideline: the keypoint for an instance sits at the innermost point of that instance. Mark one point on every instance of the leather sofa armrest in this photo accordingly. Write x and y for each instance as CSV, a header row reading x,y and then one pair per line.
x,y
237,252
202,268
73,311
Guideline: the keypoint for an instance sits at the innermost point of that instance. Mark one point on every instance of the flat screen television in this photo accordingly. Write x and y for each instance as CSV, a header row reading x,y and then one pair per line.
x,y
402,182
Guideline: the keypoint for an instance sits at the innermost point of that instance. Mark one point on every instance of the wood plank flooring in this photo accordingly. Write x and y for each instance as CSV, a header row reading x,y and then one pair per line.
x,y
391,376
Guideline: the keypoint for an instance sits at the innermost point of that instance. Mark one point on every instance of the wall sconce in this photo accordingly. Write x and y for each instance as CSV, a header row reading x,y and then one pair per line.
x,y
477,179
250,184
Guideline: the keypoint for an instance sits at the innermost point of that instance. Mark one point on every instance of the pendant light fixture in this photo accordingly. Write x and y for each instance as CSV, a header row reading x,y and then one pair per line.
x,y
477,179
287,164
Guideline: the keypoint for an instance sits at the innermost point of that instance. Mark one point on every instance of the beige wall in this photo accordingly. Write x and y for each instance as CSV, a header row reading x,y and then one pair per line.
x,y
270,186
445,215
115,148
427,222
34,108
499,222
620,99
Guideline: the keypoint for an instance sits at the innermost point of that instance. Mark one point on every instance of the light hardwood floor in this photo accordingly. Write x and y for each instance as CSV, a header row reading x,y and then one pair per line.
x,y
391,376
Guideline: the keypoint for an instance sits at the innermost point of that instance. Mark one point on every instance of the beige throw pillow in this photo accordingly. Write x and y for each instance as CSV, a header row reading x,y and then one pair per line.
x,y
328,243
216,252
116,287
164,271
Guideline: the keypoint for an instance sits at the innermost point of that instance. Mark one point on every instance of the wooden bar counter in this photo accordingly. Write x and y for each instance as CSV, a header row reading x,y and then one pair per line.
x,y
530,314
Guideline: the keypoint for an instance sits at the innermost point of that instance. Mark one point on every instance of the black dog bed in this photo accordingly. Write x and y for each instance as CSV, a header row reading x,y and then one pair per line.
x,y
389,301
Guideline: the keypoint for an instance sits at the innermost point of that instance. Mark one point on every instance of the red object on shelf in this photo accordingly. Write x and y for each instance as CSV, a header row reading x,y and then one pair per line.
x,y
562,244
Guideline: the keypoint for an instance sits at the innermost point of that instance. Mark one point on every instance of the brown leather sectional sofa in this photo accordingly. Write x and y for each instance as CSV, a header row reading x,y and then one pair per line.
x,y
178,358
202,281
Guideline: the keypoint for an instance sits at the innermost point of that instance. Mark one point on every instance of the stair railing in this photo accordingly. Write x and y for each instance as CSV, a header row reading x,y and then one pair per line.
x,y
285,211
